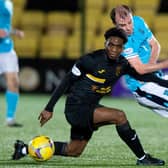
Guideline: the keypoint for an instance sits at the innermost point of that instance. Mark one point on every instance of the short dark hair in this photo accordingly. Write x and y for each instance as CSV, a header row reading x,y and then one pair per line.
x,y
116,32
113,12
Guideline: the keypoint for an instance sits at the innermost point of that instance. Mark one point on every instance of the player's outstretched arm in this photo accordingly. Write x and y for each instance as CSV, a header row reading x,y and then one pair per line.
x,y
17,32
147,68
59,91
47,113
4,33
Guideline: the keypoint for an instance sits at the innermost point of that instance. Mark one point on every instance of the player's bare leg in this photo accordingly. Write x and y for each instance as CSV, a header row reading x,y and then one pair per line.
x,y
103,116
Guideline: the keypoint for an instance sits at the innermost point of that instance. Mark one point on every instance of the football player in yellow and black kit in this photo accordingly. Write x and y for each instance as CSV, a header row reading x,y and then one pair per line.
x,y
91,78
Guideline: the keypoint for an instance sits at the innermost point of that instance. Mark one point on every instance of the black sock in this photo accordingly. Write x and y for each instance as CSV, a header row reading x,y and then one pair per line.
x,y
60,148
129,136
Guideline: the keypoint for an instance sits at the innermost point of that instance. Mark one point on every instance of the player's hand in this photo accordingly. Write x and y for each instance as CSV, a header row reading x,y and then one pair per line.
x,y
19,33
44,117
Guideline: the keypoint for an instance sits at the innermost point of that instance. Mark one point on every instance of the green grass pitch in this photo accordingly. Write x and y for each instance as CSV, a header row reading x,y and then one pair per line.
x,y
105,149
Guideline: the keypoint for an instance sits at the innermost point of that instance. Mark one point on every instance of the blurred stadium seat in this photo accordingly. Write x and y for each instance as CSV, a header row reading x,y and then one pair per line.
x,y
52,46
95,4
113,3
145,4
58,21
33,20
55,29
162,37
92,19
17,16
99,41
161,22
76,22
89,39
19,3
32,32
105,23
73,47
27,47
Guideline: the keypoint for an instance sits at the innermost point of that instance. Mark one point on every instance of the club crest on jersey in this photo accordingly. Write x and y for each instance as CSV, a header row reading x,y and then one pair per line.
x,y
128,51
118,70
101,71
101,90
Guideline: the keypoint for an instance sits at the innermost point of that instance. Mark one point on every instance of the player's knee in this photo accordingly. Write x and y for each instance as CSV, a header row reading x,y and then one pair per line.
x,y
121,117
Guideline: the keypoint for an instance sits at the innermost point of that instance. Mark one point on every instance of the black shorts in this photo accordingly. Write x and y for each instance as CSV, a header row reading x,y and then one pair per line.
x,y
80,117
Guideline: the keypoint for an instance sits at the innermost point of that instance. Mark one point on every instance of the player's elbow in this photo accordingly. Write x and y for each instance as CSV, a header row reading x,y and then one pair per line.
x,y
159,48
156,49
140,68
157,45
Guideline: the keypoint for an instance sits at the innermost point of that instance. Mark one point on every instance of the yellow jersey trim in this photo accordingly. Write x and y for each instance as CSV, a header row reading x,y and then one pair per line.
x,y
95,79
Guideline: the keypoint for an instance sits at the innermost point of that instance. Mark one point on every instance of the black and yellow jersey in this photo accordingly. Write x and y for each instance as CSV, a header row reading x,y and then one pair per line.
x,y
95,75
92,77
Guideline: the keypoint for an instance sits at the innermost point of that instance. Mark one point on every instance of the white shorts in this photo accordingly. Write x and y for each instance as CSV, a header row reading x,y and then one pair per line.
x,y
9,62
153,96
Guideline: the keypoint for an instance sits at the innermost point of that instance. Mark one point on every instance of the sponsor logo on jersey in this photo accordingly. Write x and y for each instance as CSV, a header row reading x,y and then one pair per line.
x,y
101,71
101,90
128,50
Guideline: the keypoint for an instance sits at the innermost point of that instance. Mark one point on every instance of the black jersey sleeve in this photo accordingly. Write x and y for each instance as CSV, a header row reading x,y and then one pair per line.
x,y
152,77
84,65
60,90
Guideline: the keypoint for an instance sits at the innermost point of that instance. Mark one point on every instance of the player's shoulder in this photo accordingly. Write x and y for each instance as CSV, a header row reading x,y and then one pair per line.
x,y
5,5
138,19
2,4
